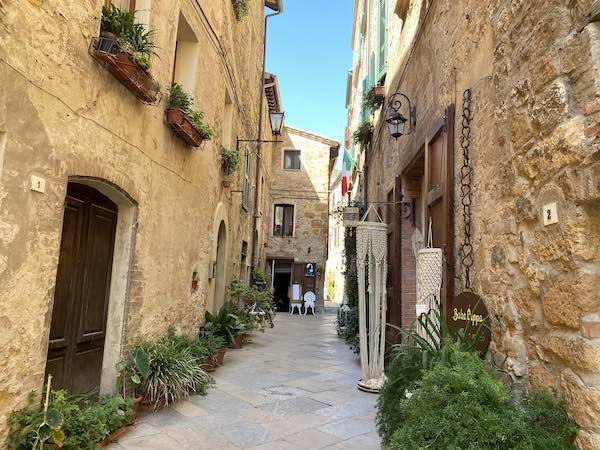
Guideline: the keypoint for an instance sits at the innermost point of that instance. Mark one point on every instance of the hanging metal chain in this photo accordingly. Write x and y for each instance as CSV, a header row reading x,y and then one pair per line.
x,y
466,189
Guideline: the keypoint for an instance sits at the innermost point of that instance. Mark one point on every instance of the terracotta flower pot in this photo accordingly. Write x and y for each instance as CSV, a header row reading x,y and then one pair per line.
x,y
226,183
238,341
219,358
183,128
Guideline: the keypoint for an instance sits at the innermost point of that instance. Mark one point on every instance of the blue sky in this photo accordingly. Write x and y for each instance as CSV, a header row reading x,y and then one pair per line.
x,y
308,48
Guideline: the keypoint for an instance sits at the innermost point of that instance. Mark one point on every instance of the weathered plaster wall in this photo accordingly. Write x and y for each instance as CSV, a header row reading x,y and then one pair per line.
x,y
308,190
65,116
535,81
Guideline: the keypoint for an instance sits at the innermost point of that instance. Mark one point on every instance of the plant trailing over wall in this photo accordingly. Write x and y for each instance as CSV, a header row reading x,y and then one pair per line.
x,y
131,37
241,8
165,371
179,99
363,134
230,159
66,422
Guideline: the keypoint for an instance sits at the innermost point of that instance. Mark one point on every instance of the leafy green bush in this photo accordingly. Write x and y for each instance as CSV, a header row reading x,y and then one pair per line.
x,y
211,342
170,370
460,404
256,301
70,423
180,99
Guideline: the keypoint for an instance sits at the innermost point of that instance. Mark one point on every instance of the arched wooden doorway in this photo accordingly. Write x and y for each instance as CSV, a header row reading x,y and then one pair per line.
x,y
220,268
81,297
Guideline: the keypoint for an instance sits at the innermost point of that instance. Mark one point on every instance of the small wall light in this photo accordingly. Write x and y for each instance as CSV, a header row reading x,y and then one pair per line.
x,y
394,118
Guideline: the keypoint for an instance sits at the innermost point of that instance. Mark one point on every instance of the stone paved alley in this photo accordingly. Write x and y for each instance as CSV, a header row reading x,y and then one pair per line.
x,y
293,388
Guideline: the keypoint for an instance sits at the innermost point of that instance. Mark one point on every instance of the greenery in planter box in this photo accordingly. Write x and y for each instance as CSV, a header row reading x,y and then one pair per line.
x,y
180,99
230,159
241,8
70,422
131,37
363,133
211,342
370,100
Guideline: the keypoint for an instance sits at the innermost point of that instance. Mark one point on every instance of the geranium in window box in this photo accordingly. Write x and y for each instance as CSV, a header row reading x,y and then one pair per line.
x,y
183,120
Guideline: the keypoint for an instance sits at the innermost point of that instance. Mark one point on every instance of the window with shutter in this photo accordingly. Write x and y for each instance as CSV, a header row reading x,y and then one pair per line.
x,y
246,187
382,37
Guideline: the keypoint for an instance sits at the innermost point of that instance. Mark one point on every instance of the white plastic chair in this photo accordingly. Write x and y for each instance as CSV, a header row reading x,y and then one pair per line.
x,y
309,302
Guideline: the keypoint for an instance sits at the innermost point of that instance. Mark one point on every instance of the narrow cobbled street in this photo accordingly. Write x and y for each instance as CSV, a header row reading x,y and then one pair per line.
x,y
292,388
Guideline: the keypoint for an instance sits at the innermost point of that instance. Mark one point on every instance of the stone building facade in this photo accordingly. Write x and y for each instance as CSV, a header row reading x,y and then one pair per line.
x,y
73,139
533,68
299,212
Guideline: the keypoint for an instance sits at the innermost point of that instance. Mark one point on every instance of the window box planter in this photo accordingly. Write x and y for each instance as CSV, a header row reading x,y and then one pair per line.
x,y
183,128
123,66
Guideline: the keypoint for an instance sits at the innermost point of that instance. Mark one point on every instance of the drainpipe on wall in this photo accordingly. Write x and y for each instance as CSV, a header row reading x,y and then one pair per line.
x,y
257,183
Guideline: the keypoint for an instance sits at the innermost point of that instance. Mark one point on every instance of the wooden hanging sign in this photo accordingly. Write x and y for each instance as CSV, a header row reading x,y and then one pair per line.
x,y
468,312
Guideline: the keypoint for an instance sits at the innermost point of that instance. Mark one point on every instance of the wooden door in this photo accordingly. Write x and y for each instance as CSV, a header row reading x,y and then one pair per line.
x,y
439,198
82,290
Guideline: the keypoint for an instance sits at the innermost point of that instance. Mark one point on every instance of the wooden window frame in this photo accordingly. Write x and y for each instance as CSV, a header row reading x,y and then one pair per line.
x,y
293,222
299,159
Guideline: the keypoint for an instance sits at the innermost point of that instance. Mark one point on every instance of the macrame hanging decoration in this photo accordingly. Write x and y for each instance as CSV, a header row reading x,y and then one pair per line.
x,y
429,270
371,255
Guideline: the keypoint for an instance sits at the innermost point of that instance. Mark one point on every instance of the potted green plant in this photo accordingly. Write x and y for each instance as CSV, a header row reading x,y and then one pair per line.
x,y
363,134
230,161
187,123
225,324
125,47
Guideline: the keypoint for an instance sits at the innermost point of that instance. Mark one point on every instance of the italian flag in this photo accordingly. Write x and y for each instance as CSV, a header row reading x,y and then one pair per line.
x,y
346,166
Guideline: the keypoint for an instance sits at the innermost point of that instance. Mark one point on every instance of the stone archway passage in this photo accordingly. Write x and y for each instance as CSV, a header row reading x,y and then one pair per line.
x,y
81,298
220,275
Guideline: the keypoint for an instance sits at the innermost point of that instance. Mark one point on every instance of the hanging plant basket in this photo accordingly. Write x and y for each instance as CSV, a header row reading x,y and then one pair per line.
x,y
183,128
363,134
123,66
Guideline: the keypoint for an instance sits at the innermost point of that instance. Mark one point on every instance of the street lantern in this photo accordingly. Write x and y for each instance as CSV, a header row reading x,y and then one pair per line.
x,y
394,118
276,122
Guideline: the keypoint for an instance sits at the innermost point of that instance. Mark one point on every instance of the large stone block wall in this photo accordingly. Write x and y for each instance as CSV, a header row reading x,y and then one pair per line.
x,y
62,115
535,77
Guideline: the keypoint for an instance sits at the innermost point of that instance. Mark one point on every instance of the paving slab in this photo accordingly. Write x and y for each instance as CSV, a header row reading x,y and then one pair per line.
x,y
273,394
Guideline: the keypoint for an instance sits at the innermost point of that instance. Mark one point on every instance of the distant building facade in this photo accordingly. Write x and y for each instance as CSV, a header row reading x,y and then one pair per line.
x,y
299,213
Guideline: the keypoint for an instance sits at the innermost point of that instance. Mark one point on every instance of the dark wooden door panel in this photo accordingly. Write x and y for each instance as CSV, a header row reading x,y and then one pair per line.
x,y
97,274
62,322
82,290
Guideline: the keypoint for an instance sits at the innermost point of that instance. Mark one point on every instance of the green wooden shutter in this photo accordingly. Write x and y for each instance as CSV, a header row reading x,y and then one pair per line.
x,y
246,185
382,38
364,112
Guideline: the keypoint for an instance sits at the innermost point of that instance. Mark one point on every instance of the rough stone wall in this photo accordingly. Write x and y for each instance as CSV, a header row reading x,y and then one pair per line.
x,y
535,81
308,190
62,115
